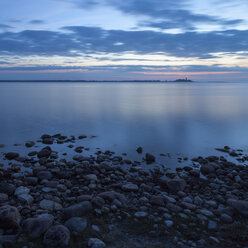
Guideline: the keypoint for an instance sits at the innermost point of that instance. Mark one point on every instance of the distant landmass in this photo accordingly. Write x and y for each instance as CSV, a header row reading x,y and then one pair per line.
x,y
95,81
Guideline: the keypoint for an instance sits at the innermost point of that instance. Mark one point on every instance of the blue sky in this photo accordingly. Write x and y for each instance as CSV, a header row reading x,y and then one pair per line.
x,y
131,39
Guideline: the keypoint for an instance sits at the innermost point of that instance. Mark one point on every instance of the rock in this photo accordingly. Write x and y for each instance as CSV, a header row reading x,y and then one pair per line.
x,y
239,206
44,175
130,187
157,200
175,185
212,225
139,149
50,205
112,195
207,169
9,218
76,225
82,137
140,215
11,155
226,218
31,180
169,223
206,212
188,205
25,198
22,190
35,227
45,152
91,177
29,144
98,201
3,197
48,141
174,208
96,243
7,188
57,236
150,158
77,210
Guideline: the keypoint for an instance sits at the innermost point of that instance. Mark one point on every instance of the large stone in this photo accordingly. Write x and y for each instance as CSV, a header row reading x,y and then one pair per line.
x,y
57,236
96,243
50,205
29,144
150,158
11,155
7,188
21,190
45,152
130,187
25,198
207,169
175,185
76,225
35,227
44,175
9,218
77,210
239,206
3,197
157,200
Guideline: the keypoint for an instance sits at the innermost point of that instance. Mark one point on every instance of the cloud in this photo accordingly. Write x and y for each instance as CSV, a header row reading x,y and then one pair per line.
x,y
78,40
5,26
36,22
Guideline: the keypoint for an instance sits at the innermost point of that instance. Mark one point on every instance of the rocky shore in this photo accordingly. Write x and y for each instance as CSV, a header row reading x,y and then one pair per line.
x,y
93,201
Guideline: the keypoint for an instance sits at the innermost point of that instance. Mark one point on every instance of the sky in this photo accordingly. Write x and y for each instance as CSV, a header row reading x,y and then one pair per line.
x,y
124,40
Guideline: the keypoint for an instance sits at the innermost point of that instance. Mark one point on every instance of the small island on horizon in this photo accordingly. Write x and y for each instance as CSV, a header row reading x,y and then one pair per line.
x,y
180,80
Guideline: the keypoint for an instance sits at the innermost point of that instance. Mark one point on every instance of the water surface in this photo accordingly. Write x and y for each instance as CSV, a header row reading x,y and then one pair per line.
x,y
180,118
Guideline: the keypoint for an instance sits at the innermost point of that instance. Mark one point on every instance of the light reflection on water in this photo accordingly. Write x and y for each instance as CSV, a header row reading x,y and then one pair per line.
x,y
190,118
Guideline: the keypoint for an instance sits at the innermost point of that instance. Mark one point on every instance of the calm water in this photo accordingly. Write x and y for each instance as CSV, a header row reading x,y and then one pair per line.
x,y
185,118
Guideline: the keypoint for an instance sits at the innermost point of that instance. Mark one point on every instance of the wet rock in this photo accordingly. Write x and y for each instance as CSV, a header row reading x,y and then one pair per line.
x,y
139,149
45,152
207,169
96,243
77,210
150,158
35,227
212,225
29,144
175,185
82,137
57,236
76,225
98,201
226,218
9,218
31,180
169,223
48,141
82,198
50,205
11,155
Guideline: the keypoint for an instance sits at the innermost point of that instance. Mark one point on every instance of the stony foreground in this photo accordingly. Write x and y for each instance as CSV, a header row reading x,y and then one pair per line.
x,y
92,201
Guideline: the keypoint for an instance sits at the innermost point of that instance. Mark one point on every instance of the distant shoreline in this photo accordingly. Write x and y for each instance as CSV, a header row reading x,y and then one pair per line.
x,y
100,81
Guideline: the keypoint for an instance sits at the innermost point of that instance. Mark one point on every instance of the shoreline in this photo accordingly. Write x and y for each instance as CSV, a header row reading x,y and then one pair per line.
x,y
92,200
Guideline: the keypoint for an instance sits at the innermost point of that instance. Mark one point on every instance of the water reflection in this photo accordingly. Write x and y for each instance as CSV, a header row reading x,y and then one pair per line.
x,y
187,118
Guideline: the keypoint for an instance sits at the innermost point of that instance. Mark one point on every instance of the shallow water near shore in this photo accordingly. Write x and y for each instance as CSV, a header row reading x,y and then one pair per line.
x,y
183,119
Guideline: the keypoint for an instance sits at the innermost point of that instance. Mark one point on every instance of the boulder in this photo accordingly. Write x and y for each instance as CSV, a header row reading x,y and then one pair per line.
x,y
150,158
35,227
77,210
57,236
207,169
9,218
240,206
76,225
11,155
